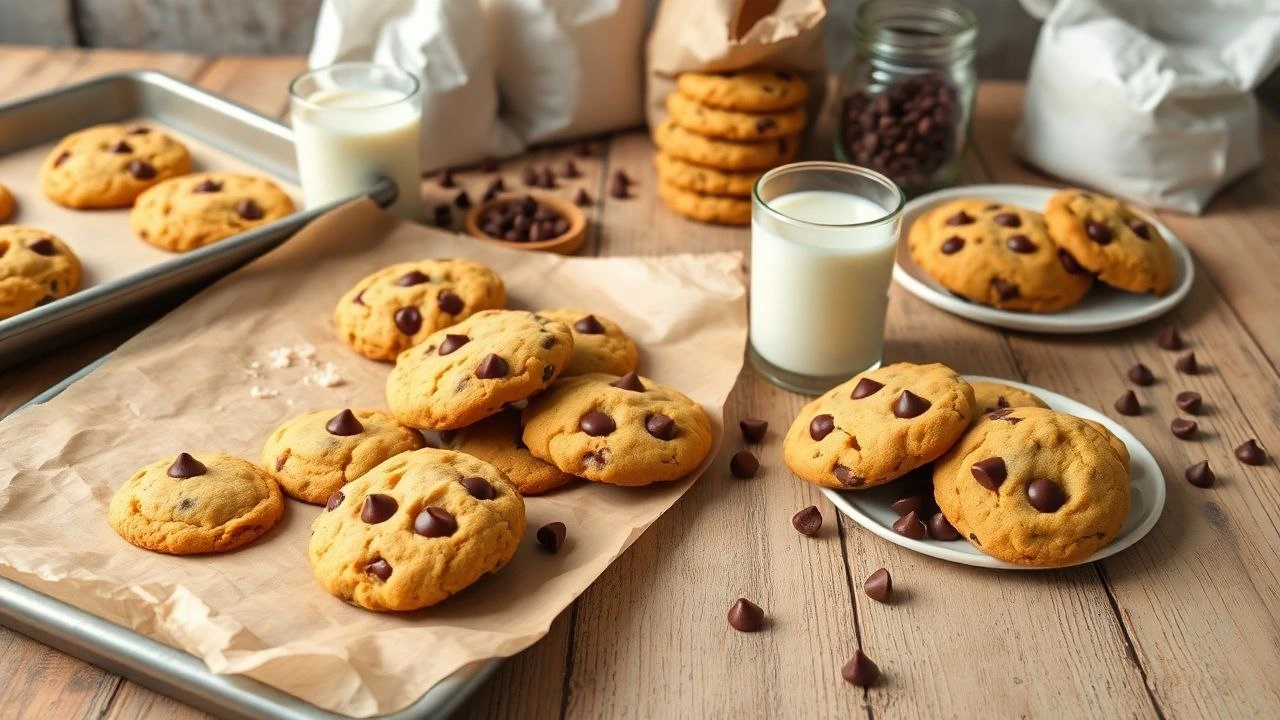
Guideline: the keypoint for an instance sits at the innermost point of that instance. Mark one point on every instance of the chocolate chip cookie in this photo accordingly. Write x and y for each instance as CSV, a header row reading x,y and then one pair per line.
x,y
732,125
7,204
399,306
758,91
879,426
996,254
724,154
35,267
192,211
1105,237
619,430
704,180
196,503
1034,487
717,209
314,454
498,441
109,166
415,530
469,371
989,397
599,344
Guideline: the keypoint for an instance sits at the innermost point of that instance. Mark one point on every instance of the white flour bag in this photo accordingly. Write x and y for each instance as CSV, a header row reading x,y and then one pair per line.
x,y
1151,101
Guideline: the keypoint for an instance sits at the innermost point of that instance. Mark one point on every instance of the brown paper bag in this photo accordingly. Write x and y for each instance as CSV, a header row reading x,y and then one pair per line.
x,y
721,35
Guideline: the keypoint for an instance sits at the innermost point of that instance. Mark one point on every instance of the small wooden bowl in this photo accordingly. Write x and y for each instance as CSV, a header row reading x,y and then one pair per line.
x,y
565,244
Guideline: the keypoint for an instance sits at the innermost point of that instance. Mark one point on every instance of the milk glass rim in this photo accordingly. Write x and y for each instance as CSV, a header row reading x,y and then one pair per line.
x,y
889,216
414,90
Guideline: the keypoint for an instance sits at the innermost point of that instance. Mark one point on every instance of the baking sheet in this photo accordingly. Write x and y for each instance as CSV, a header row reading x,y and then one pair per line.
x,y
187,383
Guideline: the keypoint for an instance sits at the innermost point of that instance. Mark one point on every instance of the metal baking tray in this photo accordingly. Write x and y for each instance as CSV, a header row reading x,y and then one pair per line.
x,y
226,130
178,674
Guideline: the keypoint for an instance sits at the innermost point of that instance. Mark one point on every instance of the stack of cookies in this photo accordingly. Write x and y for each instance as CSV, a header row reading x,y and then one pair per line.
x,y
722,131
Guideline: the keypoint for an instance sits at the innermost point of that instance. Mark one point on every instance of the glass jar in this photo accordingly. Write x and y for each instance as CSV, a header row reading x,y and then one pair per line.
x,y
907,92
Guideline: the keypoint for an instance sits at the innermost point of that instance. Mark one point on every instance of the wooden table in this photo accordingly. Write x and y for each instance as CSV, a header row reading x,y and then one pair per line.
x,y
1185,624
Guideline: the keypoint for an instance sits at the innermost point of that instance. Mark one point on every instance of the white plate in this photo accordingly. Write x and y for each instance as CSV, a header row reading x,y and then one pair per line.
x,y
870,508
1104,308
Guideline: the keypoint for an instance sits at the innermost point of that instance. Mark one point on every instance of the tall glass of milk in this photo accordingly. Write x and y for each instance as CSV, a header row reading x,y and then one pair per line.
x,y
823,237
355,122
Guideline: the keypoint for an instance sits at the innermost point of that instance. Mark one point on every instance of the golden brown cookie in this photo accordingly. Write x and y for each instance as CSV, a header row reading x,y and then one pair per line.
x,y
1104,236
206,502
497,441
996,254
879,426
415,530
7,204
744,91
397,307
731,125
35,267
1034,487
989,397
108,166
618,430
469,371
189,212
724,154
704,180
316,453
599,344
705,208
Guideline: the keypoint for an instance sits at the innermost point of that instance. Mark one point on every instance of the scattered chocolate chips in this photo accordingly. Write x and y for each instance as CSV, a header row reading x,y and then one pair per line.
x,y
906,131
380,569
744,465
821,426
1200,475
378,508
753,429
846,477
1187,364
860,670
660,426
571,170
1007,219
453,342
960,218
462,200
249,210
940,528
878,586
62,157
207,186
808,521
582,199
141,169
1098,232
765,124
909,405
1141,375
492,367
582,149
1045,495
435,522
140,130
446,179
281,460
746,616
910,502
1005,290
589,325
1070,264
547,372
121,148
1170,339
411,278
990,473
1127,404
551,536
630,381
1021,244
1188,401
344,424
443,216
618,187
1251,453
547,178
597,424
478,487
1140,228
408,320
185,466
910,526
1182,428
43,246
335,499
530,176
866,387
952,245
449,302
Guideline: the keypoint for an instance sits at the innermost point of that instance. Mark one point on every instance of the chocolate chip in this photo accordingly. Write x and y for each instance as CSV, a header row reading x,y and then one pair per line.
x,y
916,501
446,179
378,508
940,528
462,200
660,426
121,148
952,245
141,169
344,424
335,499
1200,475
185,466
866,387
408,319
1098,232
878,586
744,465
1127,404
551,536
1188,401
479,488
1182,428
960,218
1005,290
1140,228
1045,495
571,170
1021,244
846,477
821,426
1009,220
808,521
281,460
452,343
43,246
1251,453
207,186
1070,264
379,568
249,210
909,405
443,216
1170,339
630,381
618,188
582,149
140,130
597,424
1141,375
990,473
547,178
765,124
582,199
910,526
62,157
435,522
1187,364
488,164
449,302
411,278
492,367
746,616
548,371
753,429
530,176
860,670
589,325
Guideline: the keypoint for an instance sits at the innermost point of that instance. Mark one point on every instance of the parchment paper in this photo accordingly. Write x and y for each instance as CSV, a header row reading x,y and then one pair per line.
x,y
184,384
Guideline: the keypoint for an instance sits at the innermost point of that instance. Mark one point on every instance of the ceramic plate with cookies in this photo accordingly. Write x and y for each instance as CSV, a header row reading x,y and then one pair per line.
x,y
937,263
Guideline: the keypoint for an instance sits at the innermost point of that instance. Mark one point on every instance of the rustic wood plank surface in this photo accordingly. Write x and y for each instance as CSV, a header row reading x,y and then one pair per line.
x,y
1186,623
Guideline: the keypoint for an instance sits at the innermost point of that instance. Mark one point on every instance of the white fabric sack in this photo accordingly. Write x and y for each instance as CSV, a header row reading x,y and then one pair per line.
x,y
568,68
443,43
1150,101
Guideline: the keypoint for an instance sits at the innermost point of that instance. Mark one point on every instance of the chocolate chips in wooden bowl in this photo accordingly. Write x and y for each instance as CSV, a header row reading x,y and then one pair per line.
x,y
529,222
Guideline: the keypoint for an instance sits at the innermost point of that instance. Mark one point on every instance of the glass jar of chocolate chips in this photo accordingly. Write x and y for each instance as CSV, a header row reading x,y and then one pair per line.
x,y
907,92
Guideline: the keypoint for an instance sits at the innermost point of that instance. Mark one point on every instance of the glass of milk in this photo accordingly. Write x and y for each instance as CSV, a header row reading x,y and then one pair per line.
x,y
355,122
823,237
